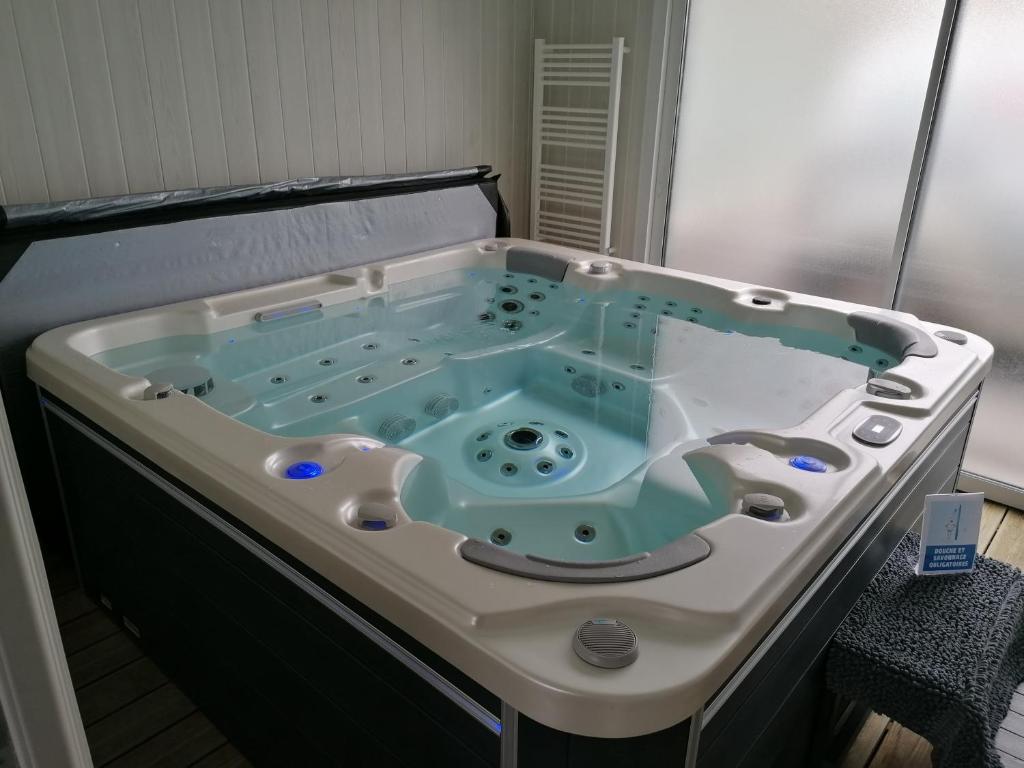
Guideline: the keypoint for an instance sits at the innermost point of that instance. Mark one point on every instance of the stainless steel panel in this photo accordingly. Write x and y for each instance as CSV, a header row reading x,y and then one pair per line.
x,y
796,135
965,260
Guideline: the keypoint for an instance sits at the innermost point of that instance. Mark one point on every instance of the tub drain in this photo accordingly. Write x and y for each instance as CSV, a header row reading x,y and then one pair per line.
x,y
585,532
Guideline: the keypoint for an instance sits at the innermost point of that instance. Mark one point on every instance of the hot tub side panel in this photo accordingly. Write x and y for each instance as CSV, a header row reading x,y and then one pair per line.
x,y
285,678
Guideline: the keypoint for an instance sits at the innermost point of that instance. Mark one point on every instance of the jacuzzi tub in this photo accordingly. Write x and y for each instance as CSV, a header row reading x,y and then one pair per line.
x,y
489,445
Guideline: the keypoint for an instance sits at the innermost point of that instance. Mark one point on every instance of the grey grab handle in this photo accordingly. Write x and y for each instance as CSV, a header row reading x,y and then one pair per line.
x,y
675,555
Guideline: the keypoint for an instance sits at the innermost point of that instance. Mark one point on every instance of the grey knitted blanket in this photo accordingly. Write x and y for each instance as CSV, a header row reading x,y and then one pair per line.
x,y
940,654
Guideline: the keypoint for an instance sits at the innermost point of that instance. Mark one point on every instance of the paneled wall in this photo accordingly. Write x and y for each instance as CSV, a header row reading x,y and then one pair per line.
x,y
101,97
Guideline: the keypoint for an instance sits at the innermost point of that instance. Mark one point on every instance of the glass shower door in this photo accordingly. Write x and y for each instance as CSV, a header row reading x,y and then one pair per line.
x,y
965,260
796,135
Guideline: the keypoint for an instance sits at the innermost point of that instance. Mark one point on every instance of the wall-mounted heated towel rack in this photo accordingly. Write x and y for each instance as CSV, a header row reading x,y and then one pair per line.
x,y
575,125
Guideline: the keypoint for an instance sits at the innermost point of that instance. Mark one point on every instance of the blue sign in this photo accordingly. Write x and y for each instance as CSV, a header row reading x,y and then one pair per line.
x,y
946,558
949,533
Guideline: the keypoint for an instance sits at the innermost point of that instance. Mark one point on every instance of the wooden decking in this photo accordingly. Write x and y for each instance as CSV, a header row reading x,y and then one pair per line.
x,y
883,743
134,716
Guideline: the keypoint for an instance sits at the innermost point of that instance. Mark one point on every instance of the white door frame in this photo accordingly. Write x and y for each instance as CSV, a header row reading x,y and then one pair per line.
x,y
38,699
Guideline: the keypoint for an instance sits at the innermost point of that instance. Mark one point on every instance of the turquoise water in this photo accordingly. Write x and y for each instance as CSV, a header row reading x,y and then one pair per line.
x,y
538,408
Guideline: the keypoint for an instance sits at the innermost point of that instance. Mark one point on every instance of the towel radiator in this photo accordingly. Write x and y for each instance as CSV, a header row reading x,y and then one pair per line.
x,y
576,89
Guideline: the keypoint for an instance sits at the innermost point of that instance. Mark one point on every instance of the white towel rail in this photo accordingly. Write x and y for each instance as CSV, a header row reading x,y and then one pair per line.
x,y
574,146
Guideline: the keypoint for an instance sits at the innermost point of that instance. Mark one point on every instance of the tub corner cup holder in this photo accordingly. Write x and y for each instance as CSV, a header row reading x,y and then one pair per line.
x,y
678,554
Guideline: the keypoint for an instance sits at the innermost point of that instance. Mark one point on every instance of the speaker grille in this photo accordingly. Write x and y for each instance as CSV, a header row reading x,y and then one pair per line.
x,y
607,643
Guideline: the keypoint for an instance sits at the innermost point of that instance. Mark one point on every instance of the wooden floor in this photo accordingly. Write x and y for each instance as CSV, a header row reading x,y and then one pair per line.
x,y
134,716
883,743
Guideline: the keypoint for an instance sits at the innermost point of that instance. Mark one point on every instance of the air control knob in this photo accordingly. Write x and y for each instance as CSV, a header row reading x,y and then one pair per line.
x,y
763,506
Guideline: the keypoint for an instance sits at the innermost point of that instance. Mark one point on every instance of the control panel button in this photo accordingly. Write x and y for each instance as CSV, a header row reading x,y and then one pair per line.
x,y
878,430
954,336
888,388
764,506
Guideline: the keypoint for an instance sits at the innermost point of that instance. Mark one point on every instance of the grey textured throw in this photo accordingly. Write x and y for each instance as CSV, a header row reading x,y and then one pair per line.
x,y
940,654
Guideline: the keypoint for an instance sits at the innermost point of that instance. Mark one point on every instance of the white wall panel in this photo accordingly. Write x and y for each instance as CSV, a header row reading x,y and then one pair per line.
x,y
298,135
234,91
104,97
392,83
346,86
49,88
122,33
371,108
21,163
199,67
472,83
414,85
94,96
503,51
316,33
167,86
454,40
265,84
520,115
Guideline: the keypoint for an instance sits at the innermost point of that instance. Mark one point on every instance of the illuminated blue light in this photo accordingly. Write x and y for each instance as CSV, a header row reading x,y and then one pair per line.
x,y
808,464
304,470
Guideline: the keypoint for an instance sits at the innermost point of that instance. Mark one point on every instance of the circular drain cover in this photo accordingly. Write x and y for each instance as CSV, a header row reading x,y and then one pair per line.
x,y
606,643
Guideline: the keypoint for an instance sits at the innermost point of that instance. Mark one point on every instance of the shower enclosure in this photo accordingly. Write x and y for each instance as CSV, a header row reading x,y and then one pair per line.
x,y
867,151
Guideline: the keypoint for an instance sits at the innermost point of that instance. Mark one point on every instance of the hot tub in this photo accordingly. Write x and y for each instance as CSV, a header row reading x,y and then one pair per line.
x,y
587,505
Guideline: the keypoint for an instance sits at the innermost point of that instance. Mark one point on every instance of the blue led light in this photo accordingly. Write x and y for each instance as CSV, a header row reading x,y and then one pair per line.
x,y
808,464
304,470
374,525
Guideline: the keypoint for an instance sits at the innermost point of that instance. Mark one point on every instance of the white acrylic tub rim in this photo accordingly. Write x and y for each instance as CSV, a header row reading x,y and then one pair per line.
x,y
513,634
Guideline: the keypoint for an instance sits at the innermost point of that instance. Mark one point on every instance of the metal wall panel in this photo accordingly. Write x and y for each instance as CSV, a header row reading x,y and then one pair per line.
x,y
796,133
965,260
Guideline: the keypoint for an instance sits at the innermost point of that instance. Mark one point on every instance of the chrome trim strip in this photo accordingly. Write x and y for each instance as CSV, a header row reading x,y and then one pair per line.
x,y
509,737
919,160
994,490
716,703
426,673
661,247
267,315
693,739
